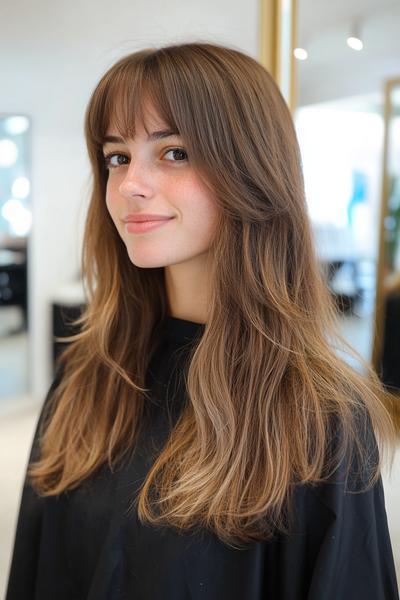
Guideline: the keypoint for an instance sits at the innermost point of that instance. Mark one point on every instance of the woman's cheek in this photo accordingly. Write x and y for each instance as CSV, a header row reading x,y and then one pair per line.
x,y
110,198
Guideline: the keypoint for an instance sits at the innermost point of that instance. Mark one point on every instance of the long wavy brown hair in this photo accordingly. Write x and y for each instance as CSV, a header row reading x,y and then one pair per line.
x,y
267,379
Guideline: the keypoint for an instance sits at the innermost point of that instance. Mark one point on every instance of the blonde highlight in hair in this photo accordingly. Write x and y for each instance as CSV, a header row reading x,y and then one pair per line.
x,y
267,389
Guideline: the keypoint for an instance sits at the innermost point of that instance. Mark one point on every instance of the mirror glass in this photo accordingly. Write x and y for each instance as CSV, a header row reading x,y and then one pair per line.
x,y
15,226
344,54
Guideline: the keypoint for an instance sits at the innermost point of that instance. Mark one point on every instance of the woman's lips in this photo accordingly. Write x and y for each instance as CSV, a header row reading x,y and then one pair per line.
x,y
144,226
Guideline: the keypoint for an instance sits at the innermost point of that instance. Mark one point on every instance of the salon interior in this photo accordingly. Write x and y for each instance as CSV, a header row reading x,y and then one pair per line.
x,y
338,66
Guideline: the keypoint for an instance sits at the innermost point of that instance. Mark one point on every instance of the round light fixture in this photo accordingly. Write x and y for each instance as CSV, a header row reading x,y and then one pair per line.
x,y
20,187
8,153
300,53
16,124
355,43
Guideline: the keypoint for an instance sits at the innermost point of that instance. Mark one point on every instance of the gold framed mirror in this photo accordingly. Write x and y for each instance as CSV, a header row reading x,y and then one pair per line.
x,y
277,42
280,28
386,347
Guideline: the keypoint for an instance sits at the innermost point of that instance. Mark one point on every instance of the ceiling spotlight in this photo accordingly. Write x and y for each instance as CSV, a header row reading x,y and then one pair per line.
x,y
354,40
355,43
300,53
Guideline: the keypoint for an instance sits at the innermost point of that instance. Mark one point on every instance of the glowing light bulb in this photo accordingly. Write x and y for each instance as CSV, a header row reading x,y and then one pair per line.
x,y
355,43
19,217
16,124
300,53
8,153
20,187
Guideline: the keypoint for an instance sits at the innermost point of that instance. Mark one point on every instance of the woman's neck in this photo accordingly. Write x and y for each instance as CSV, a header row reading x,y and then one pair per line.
x,y
187,289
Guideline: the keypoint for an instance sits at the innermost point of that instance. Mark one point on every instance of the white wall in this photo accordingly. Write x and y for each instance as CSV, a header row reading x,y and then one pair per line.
x,y
51,56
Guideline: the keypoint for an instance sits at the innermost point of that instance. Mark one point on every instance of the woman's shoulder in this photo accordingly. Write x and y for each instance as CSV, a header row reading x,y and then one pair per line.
x,y
45,410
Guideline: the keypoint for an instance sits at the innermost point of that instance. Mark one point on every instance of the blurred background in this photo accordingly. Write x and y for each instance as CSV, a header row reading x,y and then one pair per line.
x,y
338,66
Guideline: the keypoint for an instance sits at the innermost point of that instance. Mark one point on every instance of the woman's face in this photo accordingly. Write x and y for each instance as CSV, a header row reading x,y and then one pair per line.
x,y
152,175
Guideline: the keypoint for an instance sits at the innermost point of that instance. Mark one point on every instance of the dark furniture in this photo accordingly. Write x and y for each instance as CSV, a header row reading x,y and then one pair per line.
x,y
13,280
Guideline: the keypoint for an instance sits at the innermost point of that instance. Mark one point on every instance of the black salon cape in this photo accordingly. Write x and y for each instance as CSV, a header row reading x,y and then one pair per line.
x,y
84,545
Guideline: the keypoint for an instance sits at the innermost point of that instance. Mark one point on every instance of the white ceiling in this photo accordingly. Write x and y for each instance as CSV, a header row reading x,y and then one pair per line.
x,y
333,70
325,14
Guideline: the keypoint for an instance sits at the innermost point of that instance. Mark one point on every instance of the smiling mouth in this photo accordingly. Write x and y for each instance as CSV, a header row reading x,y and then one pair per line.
x,y
143,226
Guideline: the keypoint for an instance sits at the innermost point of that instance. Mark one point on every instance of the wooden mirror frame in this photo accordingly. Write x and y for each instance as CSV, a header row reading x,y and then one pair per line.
x,y
278,33
380,295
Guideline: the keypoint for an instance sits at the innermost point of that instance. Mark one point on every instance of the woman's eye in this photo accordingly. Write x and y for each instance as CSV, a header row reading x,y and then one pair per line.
x,y
179,154
115,159
111,161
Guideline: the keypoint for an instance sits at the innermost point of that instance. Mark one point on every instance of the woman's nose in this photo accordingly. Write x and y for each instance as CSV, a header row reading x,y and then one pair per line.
x,y
137,182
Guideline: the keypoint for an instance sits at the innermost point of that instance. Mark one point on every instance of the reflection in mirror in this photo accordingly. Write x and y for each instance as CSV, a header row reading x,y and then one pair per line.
x,y
345,51
15,225
387,332
340,123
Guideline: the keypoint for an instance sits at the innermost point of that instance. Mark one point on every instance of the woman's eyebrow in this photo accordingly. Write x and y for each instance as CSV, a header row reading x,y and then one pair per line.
x,y
155,135
161,134
113,139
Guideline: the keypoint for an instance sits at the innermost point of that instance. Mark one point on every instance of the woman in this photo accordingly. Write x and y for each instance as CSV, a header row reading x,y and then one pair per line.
x,y
203,438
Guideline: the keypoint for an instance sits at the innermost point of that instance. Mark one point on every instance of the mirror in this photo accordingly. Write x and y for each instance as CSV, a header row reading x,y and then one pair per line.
x,y
386,356
347,131
344,54
15,226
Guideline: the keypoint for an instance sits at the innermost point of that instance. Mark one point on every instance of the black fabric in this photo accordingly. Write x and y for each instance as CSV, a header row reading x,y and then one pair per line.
x,y
86,545
390,372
